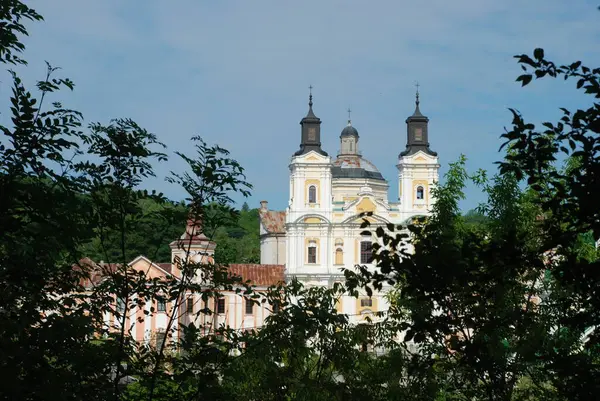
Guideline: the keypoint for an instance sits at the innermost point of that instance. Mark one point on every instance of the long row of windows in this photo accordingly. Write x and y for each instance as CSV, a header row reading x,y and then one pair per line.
x,y
161,305
366,253
248,304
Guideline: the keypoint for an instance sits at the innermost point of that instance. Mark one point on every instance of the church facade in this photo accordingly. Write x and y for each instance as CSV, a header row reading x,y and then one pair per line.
x,y
319,234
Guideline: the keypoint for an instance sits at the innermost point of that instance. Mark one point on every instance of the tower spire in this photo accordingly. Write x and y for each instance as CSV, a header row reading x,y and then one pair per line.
x,y
311,130
417,101
417,130
349,119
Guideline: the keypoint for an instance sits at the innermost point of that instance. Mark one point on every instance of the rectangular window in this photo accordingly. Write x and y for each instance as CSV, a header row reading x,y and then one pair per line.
x,y
366,252
161,305
276,307
120,306
249,306
221,306
366,303
312,254
418,134
161,337
190,305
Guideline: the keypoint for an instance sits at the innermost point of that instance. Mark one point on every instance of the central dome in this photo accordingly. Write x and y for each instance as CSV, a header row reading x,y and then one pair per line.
x,y
354,166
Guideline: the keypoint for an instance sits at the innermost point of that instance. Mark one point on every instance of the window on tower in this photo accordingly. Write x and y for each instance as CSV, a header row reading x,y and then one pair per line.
x,y
420,194
312,252
418,134
366,252
312,194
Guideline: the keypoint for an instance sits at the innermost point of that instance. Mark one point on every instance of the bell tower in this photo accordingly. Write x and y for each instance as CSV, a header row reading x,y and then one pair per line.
x,y
349,139
311,131
310,205
418,167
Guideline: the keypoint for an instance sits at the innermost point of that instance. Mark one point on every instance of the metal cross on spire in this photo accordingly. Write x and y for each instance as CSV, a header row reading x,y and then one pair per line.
x,y
417,85
310,103
349,119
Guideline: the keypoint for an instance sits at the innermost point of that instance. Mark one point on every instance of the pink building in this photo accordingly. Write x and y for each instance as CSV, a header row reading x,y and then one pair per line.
x,y
150,320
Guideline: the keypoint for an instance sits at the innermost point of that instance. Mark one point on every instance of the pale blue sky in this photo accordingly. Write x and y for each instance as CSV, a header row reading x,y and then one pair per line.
x,y
237,72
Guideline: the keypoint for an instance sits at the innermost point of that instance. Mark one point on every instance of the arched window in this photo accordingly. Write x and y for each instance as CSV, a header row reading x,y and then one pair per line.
x,y
420,192
312,194
339,256
312,252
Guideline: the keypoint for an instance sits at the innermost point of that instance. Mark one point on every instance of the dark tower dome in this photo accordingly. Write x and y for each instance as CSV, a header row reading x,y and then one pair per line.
x,y
349,130
311,131
349,139
417,133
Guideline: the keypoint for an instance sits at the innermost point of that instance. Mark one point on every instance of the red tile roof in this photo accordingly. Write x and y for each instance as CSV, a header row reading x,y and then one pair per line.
x,y
273,221
96,271
259,275
165,266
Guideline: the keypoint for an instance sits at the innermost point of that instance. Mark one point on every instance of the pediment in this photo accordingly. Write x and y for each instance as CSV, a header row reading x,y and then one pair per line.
x,y
367,204
420,157
313,157
373,219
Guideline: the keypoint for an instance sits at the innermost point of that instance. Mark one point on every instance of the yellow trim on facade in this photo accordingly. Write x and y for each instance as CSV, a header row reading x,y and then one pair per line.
x,y
307,184
339,255
360,309
366,205
339,304
306,242
425,185
312,220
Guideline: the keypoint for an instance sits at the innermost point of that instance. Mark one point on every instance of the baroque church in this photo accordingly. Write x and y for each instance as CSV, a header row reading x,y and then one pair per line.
x,y
319,233
313,240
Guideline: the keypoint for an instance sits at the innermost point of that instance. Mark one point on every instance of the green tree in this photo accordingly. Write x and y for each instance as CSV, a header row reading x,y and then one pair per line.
x,y
571,220
509,304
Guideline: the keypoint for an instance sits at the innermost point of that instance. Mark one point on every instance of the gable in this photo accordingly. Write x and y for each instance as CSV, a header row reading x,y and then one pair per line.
x,y
312,157
366,205
420,158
